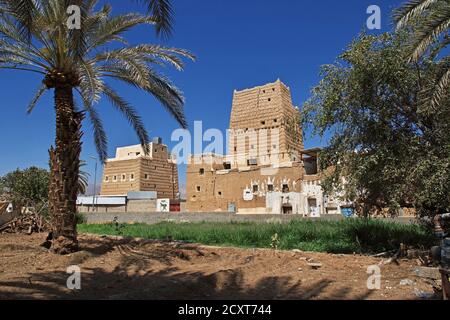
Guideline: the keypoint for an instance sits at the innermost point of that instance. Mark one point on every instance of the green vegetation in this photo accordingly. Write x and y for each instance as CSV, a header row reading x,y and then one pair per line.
x,y
389,147
28,187
345,236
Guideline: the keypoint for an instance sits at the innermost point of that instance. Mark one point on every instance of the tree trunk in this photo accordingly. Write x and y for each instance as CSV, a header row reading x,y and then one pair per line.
x,y
64,171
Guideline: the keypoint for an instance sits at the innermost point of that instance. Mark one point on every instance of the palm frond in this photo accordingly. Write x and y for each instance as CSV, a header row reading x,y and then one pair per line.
x,y
169,96
159,86
162,12
111,28
429,31
148,54
91,84
83,178
410,11
23,12
100,138
133,118
442,90
39,93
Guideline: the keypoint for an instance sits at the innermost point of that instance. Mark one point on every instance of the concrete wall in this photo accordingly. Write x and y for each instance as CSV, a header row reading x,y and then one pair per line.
x,y
102,209
148,205
153,218
141,205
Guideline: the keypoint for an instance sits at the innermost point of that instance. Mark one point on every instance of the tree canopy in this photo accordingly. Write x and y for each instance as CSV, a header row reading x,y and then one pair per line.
x,y
388,148
28,187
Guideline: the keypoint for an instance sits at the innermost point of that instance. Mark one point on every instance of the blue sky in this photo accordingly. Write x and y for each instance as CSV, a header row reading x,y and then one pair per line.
x,y
239,44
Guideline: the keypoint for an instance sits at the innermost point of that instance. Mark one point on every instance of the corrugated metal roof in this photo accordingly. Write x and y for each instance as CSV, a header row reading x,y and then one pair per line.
x,y
102,200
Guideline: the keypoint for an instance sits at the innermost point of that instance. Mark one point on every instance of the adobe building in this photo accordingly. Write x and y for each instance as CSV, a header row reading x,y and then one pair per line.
x,y
266,169
133,171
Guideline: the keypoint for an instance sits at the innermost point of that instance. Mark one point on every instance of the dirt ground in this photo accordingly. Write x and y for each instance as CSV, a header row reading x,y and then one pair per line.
x,y
127,269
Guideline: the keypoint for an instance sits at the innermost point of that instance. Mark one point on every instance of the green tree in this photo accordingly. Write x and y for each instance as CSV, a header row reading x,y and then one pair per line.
x,y
387,148
81,62
27,187
429,23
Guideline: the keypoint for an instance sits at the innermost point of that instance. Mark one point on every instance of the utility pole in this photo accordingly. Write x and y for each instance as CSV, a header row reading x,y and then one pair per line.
x,y
95,183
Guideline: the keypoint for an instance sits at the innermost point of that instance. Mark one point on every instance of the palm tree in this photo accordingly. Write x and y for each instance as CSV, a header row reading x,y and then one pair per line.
x,y
429,21
160,10
79,62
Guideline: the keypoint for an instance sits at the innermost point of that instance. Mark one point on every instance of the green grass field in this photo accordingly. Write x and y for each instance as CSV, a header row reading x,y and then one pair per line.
x,y
345,236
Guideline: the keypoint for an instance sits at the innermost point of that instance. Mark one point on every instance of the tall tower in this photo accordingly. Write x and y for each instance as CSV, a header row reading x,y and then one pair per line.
x,y
264,122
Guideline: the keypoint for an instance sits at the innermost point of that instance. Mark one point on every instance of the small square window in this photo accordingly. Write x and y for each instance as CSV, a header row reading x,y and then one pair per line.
x,y
198,189
255,188
275,120
269,99
132,177
114,178
201,171
263,122
124,177
145,176
270,187
106,178
219,193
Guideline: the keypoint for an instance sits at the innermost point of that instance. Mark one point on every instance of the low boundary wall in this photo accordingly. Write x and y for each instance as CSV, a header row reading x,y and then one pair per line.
x,y
157,217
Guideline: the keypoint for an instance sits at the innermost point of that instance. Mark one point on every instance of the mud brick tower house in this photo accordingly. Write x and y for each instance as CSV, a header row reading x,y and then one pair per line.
x,y
263,171
132,170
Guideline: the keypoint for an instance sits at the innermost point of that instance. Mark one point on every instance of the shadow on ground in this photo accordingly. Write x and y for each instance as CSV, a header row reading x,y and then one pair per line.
x,y
135,278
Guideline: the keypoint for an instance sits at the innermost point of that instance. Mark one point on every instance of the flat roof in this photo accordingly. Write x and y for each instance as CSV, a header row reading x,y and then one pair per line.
x,y
311,151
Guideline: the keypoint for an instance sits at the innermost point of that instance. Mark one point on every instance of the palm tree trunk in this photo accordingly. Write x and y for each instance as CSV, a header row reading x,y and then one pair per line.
x,y
64,170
